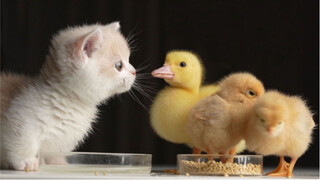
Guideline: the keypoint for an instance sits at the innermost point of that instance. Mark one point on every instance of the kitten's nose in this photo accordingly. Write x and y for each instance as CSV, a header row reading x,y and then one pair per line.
x,y
133,73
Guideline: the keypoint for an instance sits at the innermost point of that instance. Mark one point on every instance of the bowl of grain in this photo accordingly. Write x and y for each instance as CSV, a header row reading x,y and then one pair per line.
x,y
222,165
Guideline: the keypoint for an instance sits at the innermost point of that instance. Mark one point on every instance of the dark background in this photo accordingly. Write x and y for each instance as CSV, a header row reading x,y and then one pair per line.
x,y
278,41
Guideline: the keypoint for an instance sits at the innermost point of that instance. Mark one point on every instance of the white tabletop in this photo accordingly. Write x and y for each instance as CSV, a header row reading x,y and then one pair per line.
x,y
157,173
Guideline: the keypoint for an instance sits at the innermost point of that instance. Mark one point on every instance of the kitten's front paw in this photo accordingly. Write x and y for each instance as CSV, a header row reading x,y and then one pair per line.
x,y
29,164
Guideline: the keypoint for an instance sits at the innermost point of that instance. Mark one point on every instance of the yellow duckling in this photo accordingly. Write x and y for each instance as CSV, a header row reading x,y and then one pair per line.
x,y
184,72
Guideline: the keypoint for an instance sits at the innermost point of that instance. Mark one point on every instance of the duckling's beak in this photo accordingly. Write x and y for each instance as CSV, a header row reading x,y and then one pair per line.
x,y
164,72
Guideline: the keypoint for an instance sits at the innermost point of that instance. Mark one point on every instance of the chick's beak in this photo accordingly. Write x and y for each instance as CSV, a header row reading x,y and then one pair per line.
x,y
164,72
269,129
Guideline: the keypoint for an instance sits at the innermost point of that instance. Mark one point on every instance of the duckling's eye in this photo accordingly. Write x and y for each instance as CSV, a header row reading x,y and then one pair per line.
x,y
251,93
262,120
118,66
183,64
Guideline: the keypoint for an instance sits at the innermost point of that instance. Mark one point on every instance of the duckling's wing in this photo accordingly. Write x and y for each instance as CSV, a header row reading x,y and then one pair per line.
x,y
207,90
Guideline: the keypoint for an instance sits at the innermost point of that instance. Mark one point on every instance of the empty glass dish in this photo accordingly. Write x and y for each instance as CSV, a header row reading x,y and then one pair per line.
x,y
86,162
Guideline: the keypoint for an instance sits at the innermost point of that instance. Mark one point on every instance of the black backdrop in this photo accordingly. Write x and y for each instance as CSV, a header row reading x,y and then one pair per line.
x,y
276,40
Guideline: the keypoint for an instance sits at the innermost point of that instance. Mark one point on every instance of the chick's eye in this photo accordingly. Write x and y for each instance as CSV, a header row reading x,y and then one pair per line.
x,y
262,120
251,93
118,66
183,64
279,123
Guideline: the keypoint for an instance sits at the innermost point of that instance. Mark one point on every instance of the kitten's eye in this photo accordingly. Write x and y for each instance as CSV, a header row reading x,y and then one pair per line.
x,y
262,120
183,64
118,66
251,93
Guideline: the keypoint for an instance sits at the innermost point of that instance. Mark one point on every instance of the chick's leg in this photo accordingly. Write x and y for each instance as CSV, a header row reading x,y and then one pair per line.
x,y
232,152
196,150
281,170
171,171
291,166
209,152
222,157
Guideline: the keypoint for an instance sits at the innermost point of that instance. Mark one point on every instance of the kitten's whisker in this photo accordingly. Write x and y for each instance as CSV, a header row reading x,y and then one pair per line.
x,y
131,35
146,82
149,88
151,92
144,77
142,65
145,86
145,74
133,48
142,68
141,91
145,90
130,40
135,98
144,94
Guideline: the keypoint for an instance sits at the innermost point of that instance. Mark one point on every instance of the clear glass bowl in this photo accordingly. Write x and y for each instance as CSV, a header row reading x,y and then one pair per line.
x,y
204,164
86,162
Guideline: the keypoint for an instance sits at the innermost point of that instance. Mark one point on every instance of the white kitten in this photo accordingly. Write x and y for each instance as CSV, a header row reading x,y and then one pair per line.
x,y
54,111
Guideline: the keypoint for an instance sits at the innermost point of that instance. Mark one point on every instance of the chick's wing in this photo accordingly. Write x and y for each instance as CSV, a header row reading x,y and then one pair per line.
x,y
213,110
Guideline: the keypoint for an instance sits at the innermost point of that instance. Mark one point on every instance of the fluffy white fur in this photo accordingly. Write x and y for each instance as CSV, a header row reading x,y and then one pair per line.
x,y
55,110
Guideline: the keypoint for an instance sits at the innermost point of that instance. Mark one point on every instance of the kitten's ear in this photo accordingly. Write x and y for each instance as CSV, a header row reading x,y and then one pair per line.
x,y
114,25
89,44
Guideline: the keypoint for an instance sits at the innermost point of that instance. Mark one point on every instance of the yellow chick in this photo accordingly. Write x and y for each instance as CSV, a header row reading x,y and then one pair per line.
x,y
184,72
217,123
280,125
